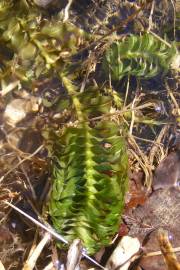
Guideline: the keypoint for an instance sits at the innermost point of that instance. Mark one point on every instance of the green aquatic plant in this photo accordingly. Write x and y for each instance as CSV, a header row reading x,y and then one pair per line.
x,y
90,173
89,158
33,45
141,56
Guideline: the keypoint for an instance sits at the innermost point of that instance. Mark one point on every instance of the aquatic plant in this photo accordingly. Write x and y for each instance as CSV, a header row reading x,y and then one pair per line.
x,y
142,56
33,45
89,157
90,173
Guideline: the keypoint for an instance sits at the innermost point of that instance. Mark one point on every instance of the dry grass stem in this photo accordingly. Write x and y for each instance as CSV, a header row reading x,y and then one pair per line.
x,y
66,10
147,140
127,92
8,88
174,101
48,229
127,109
150,16
32,259
20,162
132,116
50,266
159,253
142,159
174,19
161,39
158,146
28,180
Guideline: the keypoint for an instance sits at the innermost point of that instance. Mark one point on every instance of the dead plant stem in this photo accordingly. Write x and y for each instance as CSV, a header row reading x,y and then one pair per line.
x,y
127,91
31,261
161,39
20,162
150,16
154,149
159,253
